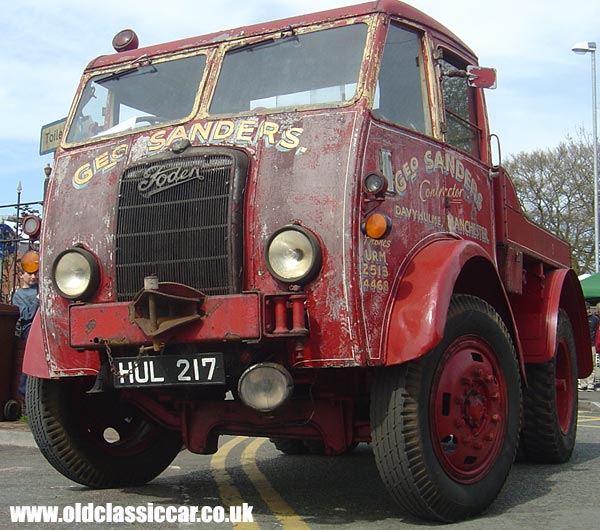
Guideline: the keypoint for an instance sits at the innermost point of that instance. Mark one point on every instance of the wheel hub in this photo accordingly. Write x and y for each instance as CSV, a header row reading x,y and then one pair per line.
x,y
475,407
468,410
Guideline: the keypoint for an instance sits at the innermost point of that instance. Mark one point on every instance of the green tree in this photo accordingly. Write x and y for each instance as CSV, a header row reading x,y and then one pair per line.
x,y
556,189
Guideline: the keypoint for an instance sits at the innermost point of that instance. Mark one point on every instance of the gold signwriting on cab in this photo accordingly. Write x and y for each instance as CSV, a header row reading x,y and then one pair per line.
x,y
445,163
100,164
240,132
247,132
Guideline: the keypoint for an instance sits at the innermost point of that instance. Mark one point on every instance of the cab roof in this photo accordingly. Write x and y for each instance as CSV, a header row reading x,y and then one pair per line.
x,y
390,7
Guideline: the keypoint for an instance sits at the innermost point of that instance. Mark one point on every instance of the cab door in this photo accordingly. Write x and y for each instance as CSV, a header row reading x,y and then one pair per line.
x,y
464,155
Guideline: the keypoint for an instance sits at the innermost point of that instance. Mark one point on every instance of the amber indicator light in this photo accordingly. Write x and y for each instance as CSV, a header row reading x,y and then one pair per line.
x,y
377,225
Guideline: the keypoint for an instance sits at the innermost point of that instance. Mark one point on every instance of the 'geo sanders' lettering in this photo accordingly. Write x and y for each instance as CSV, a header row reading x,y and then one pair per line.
x,y
101,164
248,132
240,132
447,164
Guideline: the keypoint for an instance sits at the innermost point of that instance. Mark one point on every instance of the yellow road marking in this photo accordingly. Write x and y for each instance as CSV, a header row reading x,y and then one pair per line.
x,y
282,510
230,495
585,418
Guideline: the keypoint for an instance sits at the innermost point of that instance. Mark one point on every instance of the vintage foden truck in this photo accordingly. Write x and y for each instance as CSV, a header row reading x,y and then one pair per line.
x,y
295,230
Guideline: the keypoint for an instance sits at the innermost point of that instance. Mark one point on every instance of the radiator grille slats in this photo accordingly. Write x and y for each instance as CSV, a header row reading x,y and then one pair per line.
x,y
180,219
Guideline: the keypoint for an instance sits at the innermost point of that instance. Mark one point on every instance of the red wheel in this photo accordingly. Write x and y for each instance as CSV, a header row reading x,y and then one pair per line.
x,y
565,380
95,439
468,410
551,401
445,428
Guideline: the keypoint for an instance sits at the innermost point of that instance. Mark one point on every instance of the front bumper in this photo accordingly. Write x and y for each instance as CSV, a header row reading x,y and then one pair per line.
x,y
246,317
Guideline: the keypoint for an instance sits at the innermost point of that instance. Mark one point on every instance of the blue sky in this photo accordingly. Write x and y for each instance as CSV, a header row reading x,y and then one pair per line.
x,y
543,94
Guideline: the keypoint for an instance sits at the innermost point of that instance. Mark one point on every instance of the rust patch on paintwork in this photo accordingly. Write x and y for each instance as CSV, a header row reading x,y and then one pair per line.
x,y
91,325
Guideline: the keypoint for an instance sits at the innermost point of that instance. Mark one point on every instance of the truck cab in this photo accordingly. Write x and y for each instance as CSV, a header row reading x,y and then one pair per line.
x,y
295,230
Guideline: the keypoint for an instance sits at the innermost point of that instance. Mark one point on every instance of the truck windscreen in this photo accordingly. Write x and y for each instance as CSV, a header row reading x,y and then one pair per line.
x,y
297,69
138,96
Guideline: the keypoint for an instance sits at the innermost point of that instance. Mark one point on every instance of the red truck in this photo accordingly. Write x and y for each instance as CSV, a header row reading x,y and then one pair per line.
x,y
295,230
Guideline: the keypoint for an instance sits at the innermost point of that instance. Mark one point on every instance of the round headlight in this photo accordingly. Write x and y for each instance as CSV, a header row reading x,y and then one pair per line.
x,y
265,386
293,255
75,274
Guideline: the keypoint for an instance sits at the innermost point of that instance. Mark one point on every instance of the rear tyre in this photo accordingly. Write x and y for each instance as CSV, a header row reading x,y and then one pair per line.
x,y
317,448
305,447
445,427
551,401
95,439
288,446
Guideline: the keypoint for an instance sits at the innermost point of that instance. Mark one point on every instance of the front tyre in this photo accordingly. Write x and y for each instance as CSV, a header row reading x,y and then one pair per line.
x,y
95,439
445,427
551,399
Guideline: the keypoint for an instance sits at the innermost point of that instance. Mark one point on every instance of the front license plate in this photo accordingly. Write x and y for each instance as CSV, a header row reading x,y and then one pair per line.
x,y
168,370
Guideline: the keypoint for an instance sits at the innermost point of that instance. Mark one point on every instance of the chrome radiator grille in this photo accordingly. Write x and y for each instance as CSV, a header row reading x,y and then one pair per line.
x,y
180,218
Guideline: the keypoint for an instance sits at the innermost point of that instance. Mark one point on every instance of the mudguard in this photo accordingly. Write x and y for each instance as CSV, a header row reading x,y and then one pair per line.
x,y
417,317
34,361
537,319
573,302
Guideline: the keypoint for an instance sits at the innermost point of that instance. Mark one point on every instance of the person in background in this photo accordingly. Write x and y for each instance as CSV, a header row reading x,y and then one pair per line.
x,y
596,356
589,384
26,298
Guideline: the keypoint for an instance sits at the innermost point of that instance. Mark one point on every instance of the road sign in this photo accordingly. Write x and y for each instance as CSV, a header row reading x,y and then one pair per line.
x,y
50,136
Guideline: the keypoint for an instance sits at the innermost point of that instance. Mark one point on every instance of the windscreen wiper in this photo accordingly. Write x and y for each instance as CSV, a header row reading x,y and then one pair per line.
x,y
136,67
284,36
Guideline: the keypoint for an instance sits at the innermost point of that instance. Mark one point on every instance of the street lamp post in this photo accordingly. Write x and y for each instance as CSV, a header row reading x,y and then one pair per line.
x,y
582,48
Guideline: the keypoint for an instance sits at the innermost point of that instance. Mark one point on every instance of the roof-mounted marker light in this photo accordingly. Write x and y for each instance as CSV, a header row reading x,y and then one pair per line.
x,y
125,40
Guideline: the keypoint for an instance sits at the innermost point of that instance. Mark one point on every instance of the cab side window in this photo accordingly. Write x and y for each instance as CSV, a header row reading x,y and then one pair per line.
x,y
400,90
460,109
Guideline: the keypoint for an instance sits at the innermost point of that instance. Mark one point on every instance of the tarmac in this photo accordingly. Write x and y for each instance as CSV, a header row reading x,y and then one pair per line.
x,y
589,401
18,432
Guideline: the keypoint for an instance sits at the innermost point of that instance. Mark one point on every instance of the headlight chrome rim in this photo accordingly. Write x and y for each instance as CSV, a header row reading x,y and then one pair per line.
x,y
269,392
75,274
293,247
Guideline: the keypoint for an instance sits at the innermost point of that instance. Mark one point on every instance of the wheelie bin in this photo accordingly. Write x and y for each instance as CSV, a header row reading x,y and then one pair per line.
x,y
9,407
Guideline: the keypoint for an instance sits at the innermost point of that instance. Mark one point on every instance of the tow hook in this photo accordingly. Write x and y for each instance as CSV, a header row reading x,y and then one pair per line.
x,y
161,306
